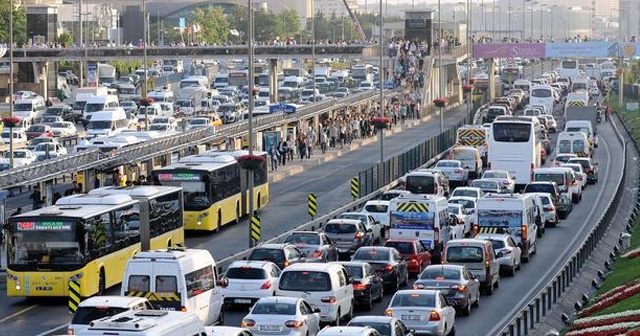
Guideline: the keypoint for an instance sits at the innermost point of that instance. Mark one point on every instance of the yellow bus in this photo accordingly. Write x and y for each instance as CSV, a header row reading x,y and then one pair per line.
x,y
88,238
215,188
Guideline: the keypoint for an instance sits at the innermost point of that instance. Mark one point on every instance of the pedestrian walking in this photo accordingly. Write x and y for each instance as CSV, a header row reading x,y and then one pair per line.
x,y
324,140
35,197
274,156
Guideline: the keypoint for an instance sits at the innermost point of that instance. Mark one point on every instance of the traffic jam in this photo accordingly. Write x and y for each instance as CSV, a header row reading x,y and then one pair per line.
x,y
435,245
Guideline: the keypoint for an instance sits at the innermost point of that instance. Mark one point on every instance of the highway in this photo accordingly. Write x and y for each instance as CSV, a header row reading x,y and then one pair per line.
x,y
287,209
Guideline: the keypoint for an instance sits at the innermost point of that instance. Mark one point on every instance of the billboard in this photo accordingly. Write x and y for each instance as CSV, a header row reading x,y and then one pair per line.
x,y
593,49
509,50
92,74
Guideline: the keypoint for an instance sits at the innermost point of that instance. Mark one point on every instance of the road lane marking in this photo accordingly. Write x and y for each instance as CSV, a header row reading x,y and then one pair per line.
x,y
18,313
53,330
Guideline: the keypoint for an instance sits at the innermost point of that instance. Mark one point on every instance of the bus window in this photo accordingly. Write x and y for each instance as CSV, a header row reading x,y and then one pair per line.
x,y
511,132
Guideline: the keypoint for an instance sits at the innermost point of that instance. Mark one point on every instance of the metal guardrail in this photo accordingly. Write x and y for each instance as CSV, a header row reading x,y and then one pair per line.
x,y
524,318
352,206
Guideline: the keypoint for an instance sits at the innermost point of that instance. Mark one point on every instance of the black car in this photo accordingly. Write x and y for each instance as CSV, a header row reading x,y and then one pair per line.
x,y
387,262
64,111
282,255
368,286
589,167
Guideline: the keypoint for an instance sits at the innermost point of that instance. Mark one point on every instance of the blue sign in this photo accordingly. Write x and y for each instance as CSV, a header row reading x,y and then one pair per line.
x,y
182,22
582,49
92,74
282,107
270,138
412,220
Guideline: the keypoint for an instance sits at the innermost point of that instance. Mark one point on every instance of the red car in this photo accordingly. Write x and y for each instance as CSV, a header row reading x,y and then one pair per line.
x,y
417,255
35,131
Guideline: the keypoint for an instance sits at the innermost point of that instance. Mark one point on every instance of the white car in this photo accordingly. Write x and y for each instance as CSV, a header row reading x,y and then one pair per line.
x,y
195,123
21,157
282,316
507,251
162,128
227,331
50,119
53,149
469,204
550,215
379,210
503,177
581,176
576,189
377,229
462,226
562,158
31,145
63,128
473,192
594,91
365,86
249,280
454,170
424,310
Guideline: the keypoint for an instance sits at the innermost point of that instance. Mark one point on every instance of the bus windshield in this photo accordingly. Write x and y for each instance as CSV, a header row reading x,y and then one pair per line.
x,y
196,193
45,241
542,93
511,132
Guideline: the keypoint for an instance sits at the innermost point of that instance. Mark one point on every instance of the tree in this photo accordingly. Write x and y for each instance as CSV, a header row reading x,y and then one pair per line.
x,y
19,22
66,39
215,27
289,22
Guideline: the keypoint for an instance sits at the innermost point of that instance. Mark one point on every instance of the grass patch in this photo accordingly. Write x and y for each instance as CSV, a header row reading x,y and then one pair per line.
x,y
630,303
624,270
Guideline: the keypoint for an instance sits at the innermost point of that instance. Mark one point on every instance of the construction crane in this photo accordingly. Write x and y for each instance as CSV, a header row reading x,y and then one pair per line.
x,y
363,37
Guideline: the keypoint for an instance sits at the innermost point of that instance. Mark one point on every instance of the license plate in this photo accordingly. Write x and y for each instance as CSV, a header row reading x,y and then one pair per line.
x,y
269,328
343,250
242,301
411,317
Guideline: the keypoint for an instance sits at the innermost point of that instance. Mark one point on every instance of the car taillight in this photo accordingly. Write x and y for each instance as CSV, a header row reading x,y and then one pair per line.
x,y
71,332
286,263
459,288
589,171
328,299
524,232
246,323
266,285
487,260
476,229
434,316
418,286
436,235
358,235
183,309
414,259
388,268
549,208
359,286
506,182
388,312
294,324
457,171
316,254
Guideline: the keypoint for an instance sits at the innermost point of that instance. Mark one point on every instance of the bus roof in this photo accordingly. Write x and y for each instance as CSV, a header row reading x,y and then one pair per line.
x,y
69,211
136,191
196,166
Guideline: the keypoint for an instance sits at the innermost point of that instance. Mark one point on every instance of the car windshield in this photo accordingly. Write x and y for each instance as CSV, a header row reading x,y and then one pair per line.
x,y
389,196
59,125
16,155
539,188
461,154
303,239
551,177
360,217
371,255
452,210
36,129
491,174
40,140
467,204
247,273
464,193
267,254
497,244
420,184
383,328
447,164
274,308
376,208
158,127
340,228
198,122
84,315
308,281
471,254
354,270
402,247
440,273
584,163
563,158
414,300
484,184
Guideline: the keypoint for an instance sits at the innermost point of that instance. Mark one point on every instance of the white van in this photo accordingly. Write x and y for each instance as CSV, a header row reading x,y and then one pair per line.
x,y
152,111
147,323
573,143
325,286
177,279
98,307
161,95
99,103
514,214
425,182
221,81
585,127
19,135
194,81
32,108
108,122
425,217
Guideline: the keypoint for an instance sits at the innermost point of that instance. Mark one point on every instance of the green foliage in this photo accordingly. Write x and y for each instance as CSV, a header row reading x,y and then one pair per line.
x,y
126,66
215,27
632,74
66,39
19,22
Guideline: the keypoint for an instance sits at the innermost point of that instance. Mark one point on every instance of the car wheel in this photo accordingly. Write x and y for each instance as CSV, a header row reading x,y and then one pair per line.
x,y
476,303
369,304
512,270
466,311
337,321
489,290
452,332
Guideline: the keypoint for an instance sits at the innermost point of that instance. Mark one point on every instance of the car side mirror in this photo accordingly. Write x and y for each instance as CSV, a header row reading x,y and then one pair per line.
x,y
349,280
499,254
224,282
316,310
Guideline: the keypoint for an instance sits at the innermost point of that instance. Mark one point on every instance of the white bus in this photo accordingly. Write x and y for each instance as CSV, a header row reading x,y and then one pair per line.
x,y
362,73
542,95
570,68
514,145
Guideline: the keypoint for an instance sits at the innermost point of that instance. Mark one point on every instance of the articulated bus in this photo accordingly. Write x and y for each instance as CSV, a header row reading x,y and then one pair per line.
x,y
514,146
215,188
88,238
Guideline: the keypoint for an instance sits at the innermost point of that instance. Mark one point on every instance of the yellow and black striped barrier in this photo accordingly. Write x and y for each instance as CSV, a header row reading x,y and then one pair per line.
x,y
492,230
74,296
255,229
313,205
155,296
413,207
355,188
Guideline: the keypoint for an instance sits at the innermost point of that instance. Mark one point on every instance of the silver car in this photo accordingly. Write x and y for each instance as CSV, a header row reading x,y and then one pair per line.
x,y
550,215
503,177
454,170
282,316
507,251
456,282
424,310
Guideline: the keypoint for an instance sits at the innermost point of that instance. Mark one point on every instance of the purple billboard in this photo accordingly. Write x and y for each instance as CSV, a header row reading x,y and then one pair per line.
x,y
509,50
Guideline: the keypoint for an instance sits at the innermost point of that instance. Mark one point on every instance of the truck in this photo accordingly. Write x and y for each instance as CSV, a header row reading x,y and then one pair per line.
x,y
106,75
188,98
577,109
475,136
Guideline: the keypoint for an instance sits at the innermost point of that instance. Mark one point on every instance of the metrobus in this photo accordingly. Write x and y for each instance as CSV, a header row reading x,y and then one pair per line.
x,y
87,238
542,95
569,68
362,72
514,146
215,188
239,78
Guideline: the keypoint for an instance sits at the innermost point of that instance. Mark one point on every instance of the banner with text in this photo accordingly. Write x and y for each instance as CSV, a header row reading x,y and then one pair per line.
x,y
593,49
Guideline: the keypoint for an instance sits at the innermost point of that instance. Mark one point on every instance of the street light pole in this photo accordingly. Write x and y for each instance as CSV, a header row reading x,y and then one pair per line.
x,y
493,20
313,48
531,21
81,35
250,183
11,80
381,83
440,76
509,20
145,85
